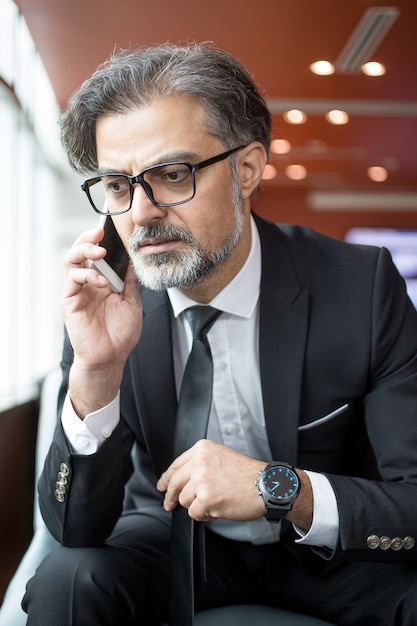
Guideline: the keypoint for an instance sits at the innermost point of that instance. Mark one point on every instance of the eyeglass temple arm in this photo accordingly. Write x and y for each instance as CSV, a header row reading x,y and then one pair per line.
x,y
217,158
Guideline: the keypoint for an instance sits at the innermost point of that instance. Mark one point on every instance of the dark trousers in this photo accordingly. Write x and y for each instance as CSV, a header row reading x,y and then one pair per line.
x,y
126,582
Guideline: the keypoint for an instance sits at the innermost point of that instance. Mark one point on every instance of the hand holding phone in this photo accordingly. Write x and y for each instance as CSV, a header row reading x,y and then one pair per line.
x,y
114,265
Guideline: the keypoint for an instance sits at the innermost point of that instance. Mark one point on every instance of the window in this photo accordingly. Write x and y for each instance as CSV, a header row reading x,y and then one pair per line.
x,y
30,166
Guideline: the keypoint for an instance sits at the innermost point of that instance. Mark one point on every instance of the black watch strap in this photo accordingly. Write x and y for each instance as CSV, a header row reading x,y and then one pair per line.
x,y
275,513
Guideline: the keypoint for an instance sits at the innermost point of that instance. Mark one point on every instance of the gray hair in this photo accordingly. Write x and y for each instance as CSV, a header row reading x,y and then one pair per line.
x,y
236,112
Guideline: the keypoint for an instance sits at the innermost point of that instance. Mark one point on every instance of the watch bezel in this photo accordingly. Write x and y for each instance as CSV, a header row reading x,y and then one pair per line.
x,y
278,501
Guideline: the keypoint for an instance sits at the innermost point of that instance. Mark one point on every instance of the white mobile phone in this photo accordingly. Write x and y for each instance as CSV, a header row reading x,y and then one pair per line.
x,y
114,265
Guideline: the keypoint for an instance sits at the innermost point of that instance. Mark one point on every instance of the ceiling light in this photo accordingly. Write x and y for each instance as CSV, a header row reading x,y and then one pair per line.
x,y
322,68
373,68
377,174
337,117
280,146
270,172
366,37
295,116
295,172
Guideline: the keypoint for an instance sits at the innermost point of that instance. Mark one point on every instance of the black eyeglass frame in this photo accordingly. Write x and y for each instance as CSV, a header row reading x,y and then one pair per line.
x,y
140,180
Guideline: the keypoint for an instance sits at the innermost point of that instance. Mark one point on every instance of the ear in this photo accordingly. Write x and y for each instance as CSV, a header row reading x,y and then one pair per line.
x,y
252,161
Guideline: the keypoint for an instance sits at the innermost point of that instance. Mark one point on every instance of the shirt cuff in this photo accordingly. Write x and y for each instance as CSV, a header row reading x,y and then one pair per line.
x,y
324,530
86,436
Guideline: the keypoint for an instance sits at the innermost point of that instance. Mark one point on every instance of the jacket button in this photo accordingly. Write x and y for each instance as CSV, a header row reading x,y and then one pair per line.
x,y
409,542
64,469
385,543
59,496
372,542
62,478
396,544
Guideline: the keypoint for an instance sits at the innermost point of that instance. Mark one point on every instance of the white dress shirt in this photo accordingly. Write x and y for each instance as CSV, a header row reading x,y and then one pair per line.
x,y
237,417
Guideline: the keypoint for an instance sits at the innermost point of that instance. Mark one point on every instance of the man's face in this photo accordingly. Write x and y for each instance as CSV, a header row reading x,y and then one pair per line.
x,y
202,242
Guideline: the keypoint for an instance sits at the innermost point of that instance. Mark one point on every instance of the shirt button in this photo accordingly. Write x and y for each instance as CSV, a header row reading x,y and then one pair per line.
x,y
220,365
82,442
106,433
232,429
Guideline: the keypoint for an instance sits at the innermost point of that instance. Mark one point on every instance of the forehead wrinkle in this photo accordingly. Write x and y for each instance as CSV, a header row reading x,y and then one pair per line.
x,y
179,156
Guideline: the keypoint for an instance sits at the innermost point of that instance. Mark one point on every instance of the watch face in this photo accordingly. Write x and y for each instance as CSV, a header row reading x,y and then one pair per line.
x,y
280,484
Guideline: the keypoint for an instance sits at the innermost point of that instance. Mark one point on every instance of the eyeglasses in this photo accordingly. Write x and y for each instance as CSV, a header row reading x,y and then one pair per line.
x,y
167,184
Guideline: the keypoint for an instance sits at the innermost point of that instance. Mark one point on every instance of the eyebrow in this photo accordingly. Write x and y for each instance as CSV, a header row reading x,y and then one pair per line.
x,y
173,157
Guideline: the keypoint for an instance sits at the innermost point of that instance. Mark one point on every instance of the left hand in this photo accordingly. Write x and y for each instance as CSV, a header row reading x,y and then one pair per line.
x,y
212,482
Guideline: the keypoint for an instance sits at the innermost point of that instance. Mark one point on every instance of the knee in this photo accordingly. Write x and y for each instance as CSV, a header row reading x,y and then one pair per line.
x,y
96,586
65,574
61,569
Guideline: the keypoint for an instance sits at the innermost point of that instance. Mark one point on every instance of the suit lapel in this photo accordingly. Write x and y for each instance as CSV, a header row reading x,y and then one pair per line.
x,y
153,380
282,340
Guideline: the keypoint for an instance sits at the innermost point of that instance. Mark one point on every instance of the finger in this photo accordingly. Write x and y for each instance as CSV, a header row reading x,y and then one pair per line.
x,y
177,464
85,247
187,495
93,235
196,512
79,255
175,489
171,500
172,495
79,278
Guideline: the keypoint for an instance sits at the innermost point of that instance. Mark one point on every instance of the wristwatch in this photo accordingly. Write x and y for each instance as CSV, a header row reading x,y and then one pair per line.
x,y
279,486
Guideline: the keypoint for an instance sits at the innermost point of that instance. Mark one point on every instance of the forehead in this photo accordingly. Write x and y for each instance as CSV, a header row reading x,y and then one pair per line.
x,y
147,134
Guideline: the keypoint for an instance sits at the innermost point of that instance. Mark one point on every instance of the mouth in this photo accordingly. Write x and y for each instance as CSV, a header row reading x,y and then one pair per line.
x,y
157,245
159,239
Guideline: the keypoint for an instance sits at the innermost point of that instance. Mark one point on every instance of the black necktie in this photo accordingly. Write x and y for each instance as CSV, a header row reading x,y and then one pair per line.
x,y
187,541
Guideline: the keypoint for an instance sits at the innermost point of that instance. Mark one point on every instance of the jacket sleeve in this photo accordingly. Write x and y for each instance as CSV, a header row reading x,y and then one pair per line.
x,y
81,497
378,518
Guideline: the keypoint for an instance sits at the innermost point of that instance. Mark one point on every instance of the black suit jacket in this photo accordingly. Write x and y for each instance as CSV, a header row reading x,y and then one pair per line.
x,y
337,331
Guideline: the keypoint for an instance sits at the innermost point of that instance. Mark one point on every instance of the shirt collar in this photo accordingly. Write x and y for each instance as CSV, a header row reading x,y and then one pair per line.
x,y
240,296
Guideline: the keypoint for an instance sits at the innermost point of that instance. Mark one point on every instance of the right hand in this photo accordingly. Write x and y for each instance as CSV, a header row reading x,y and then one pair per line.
x,y
103,326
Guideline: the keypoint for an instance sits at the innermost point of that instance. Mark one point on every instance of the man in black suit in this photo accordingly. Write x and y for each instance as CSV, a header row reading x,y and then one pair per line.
x,y
315,372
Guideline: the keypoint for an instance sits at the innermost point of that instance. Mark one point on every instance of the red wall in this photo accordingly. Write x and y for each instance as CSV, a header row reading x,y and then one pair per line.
x,y
289,205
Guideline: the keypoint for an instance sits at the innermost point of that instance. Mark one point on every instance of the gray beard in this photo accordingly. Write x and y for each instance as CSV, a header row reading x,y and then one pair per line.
x,y
183,269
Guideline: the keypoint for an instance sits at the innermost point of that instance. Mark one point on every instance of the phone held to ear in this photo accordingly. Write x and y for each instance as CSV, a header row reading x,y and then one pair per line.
x,y
114,265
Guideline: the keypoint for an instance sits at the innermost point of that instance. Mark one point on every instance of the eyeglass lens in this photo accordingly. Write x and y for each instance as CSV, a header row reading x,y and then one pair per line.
x,y
165,185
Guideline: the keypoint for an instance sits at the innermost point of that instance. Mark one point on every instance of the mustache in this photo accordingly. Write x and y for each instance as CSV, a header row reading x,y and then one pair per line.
x,y
160,231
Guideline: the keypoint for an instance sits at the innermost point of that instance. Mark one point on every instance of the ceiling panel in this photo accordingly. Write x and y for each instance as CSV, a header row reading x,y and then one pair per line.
x,y
277,40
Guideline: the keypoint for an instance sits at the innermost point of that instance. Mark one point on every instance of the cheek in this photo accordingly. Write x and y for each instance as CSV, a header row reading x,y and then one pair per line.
x,y
216,230
216,211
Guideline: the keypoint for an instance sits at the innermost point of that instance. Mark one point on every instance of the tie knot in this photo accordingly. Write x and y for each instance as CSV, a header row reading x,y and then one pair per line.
x,y
201,319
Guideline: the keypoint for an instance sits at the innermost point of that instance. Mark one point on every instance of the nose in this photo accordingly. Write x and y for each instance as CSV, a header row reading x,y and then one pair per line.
x,y
143,209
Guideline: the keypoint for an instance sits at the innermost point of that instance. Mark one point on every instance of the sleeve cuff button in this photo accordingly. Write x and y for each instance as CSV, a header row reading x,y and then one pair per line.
x,y
373,542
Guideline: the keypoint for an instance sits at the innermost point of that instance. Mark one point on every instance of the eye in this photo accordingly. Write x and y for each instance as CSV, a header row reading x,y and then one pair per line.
x,y
174,174
115,186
